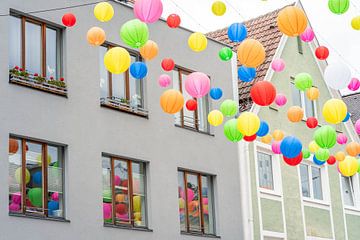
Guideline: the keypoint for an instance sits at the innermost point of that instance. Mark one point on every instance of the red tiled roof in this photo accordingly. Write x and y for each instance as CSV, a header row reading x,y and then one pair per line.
x,y
264,29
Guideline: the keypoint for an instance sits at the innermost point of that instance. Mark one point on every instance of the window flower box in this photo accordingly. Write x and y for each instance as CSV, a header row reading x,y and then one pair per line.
x,y
124,105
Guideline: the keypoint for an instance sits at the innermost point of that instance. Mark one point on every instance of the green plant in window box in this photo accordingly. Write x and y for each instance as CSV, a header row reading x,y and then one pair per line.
x,y
18,72
124,100
58,83
38,78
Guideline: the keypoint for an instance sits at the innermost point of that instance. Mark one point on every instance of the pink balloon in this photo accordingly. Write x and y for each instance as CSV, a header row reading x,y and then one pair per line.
x,y
341,138
107,210
190,195
357,126
308,35
164,80
354,84
197,84
278,65
275,147
14,207
55,196
117,180
280,99
148,11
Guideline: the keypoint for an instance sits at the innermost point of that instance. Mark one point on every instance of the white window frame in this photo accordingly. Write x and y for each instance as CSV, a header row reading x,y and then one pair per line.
x,y
303,105
355,181
270,234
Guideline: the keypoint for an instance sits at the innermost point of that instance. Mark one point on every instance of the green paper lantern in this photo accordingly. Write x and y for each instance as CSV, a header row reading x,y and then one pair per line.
x,y
322,154
231,132
325,137
306,153
18,174
35,196
338,6
303,81
134,33
228,108
107,195
225,54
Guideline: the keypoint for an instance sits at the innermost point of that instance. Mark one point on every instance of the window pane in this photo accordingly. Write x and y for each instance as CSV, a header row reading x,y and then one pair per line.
x,y
309,107
193,203
121,180
316,180
182,205
14,42
176,85
305,184
104,77
207,201
265,171
296,95
348,192
138,181
107,193
33,47
202,112
55,181
118,86
189,116
51,53
136,95
15,175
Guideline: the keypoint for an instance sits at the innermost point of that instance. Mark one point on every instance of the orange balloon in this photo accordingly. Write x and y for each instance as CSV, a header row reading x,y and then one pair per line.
x,y
149,50
251,53
340,156
292,21
96,36
278,135
295,114
313,93
171,101
120,198
353,149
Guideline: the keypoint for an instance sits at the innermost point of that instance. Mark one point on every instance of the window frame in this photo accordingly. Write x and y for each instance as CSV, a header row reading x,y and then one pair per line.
x,y
355,193
303,99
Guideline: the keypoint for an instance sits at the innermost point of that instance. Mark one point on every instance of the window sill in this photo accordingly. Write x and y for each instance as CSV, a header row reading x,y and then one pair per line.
x,y
270,194
128,227
123,107
199,234
352,210
194,130
309,202
39,217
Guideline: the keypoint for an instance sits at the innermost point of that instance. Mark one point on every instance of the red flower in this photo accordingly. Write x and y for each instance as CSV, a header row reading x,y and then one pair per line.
x,y
20,69
16,67
51,78
62,79
35,74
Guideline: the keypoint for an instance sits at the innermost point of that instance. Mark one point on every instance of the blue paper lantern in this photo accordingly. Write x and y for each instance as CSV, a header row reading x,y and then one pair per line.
x,y
246,74
347,117
53,206
318,162
138,70
37,178
290,147
237,32
263,130
216,93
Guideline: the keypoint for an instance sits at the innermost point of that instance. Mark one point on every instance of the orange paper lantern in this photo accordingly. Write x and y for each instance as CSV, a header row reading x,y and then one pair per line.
x,y
292,21
278,135
150,50
295,114
251,53
171,101
353,149
313,93
340,156
96,36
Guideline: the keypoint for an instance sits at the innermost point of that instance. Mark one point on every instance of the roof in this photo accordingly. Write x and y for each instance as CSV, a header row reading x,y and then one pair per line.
x,y
264,29
353,102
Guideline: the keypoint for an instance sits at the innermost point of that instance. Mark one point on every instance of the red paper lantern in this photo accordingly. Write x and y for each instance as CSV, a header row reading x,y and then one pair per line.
x,y
331,160
191,105
69,19
167,64
294,161
250,138
173,20
322,53
263,93
312,122
121,208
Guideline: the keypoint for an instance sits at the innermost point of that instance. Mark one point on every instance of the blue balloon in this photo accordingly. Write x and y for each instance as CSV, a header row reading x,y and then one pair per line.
x,y
37,178
290,147
263,130
138,70
347,117
246,74
237,32
52,206
318,162
216,93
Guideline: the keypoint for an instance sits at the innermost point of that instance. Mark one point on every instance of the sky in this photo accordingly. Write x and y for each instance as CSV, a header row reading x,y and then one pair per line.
x,y
332,31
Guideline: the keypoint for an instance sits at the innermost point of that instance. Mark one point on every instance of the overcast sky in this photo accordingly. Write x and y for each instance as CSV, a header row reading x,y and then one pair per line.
x,y
333,31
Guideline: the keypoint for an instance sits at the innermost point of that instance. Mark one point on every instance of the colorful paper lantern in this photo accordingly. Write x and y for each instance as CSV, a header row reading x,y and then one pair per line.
x,y
334,111
322,53
341,139
280,99
292,21
295,114
317,161
134,33
173,20
117,60
191,104
263,93
312,122
13,146
331,160
251,53
246,74
37,178
216,93
355,23
167,64
215,118
325,137
313,147
35,196
250,138
349,166
18,175
14,207
263,129
231,132
248,123
290,147
278,65
53,206
278,135
237,32
357,126
68,19
197,84
340,156
150,50
322,154
225,54
266,139
275,147
303,81
164,80
347,117
148,11
138,70
96,36
354,84
353,149
293,161
171,101
218,8
229,108
103,11
312,93
308,35
197,42
306,153
338,6
337,75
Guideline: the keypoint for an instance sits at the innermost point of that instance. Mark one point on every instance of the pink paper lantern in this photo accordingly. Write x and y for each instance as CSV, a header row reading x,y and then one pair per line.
x,y
16,198
197,84
341,138
308,35
164,80
357,126
107,210
148,11
278,65
190,195
280,99
14,207
275,147
55,196
117,180
354,84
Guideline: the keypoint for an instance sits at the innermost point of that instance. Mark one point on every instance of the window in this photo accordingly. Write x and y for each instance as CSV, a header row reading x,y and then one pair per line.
x,y
311,181
265,169
196,205
124,192
190,119
300,99
36,178
348,191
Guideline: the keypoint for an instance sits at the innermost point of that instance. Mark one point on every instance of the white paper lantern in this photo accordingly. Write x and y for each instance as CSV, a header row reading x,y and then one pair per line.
x,y
337,75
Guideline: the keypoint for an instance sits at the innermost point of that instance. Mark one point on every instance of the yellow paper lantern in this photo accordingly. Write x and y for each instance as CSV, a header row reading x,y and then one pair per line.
x,y
295,114
248,123
340,156
278,135
218,8
181,203
266,139
117,60
355,23
313,93
251,53
334,111
96,36
18,175
137,217
137,203
197,42
215,118
149,50
171,101
313,147
353,149
103,11
292,21
349,166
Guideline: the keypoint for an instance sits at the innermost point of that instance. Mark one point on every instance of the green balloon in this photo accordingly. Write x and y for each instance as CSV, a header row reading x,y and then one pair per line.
x,y
35,197
134,33
322,154
325,137
229,108
303,81
225,54
338,6
231,131
306,153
